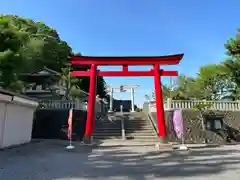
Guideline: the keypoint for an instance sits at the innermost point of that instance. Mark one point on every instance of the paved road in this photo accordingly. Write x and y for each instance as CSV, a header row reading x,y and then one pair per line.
x,y
49,161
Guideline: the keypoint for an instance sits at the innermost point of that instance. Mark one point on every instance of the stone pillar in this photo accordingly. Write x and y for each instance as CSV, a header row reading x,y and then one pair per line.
x,y
111,101
132,99
169,103
87,140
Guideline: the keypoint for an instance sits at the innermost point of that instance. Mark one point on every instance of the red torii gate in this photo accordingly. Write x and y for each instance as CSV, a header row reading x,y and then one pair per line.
x,y
93,72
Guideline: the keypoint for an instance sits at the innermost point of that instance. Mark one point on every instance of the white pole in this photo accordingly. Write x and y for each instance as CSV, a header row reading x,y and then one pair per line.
x,y
122,123
111,100
132,99
183,146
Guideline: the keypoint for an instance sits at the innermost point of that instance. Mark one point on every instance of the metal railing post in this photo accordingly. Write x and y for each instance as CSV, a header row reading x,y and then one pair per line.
x,y
122,123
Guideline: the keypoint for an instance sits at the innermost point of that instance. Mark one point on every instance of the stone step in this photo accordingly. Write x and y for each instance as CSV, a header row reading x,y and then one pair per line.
x,y
134,133
108,134
107,128
127,135
108,125
137,124
126,126
127,131
137,120
143,136
142,133
126,122
107,137
108,122
139,128
153,139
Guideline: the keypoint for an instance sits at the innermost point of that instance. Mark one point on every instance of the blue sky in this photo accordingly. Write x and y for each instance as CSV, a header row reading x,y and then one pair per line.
x,y
198,29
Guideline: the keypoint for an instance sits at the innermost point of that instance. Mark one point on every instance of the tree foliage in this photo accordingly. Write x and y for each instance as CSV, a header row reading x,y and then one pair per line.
x,y
232,64
27,45
213,81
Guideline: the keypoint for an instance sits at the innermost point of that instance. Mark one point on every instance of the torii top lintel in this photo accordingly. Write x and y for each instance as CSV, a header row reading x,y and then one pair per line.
x,y
126,60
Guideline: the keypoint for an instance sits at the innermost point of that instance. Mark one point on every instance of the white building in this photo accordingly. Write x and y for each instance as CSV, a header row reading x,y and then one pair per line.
x,y
16,118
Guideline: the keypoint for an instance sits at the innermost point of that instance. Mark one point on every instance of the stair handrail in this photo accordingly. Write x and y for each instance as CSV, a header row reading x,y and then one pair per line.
x,y
122,123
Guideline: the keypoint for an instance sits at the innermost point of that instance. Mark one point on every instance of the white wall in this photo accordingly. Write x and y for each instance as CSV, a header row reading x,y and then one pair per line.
x,y
18,125
2,120
16,121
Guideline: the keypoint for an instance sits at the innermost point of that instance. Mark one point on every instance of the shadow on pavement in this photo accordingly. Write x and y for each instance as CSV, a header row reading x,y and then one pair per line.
x,y
51,161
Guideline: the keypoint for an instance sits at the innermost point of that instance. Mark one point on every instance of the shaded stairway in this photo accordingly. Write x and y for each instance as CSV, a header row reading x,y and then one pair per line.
x,y
108,127
137,127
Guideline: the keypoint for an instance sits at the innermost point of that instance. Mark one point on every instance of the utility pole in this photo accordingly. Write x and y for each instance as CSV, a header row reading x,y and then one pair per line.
x,y
121,88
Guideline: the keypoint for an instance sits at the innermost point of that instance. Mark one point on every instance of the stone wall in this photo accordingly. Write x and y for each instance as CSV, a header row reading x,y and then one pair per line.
x,y
194,133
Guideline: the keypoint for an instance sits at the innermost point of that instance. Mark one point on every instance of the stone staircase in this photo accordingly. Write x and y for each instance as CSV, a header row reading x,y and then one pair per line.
x,y
108,127
137,127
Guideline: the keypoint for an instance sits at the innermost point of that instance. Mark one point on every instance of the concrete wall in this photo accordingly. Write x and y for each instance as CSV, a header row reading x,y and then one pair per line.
x,y
194,133
16,118
2,120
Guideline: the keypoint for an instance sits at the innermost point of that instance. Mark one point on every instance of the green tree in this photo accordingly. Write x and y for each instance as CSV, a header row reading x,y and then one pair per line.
x,y
214,82
101,86
68,82
232,64
26,46
165,92
186,89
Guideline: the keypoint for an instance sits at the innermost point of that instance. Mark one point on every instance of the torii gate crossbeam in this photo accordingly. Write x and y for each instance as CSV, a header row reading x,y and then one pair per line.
x,y
125,73
93,72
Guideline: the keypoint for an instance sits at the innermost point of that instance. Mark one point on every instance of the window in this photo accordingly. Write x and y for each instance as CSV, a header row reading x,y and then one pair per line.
x,y
218,124
214,123
34,87
44,86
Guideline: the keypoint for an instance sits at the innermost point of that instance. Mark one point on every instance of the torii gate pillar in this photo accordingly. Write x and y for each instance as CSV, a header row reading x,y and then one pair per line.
x,y
159,103
92,99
